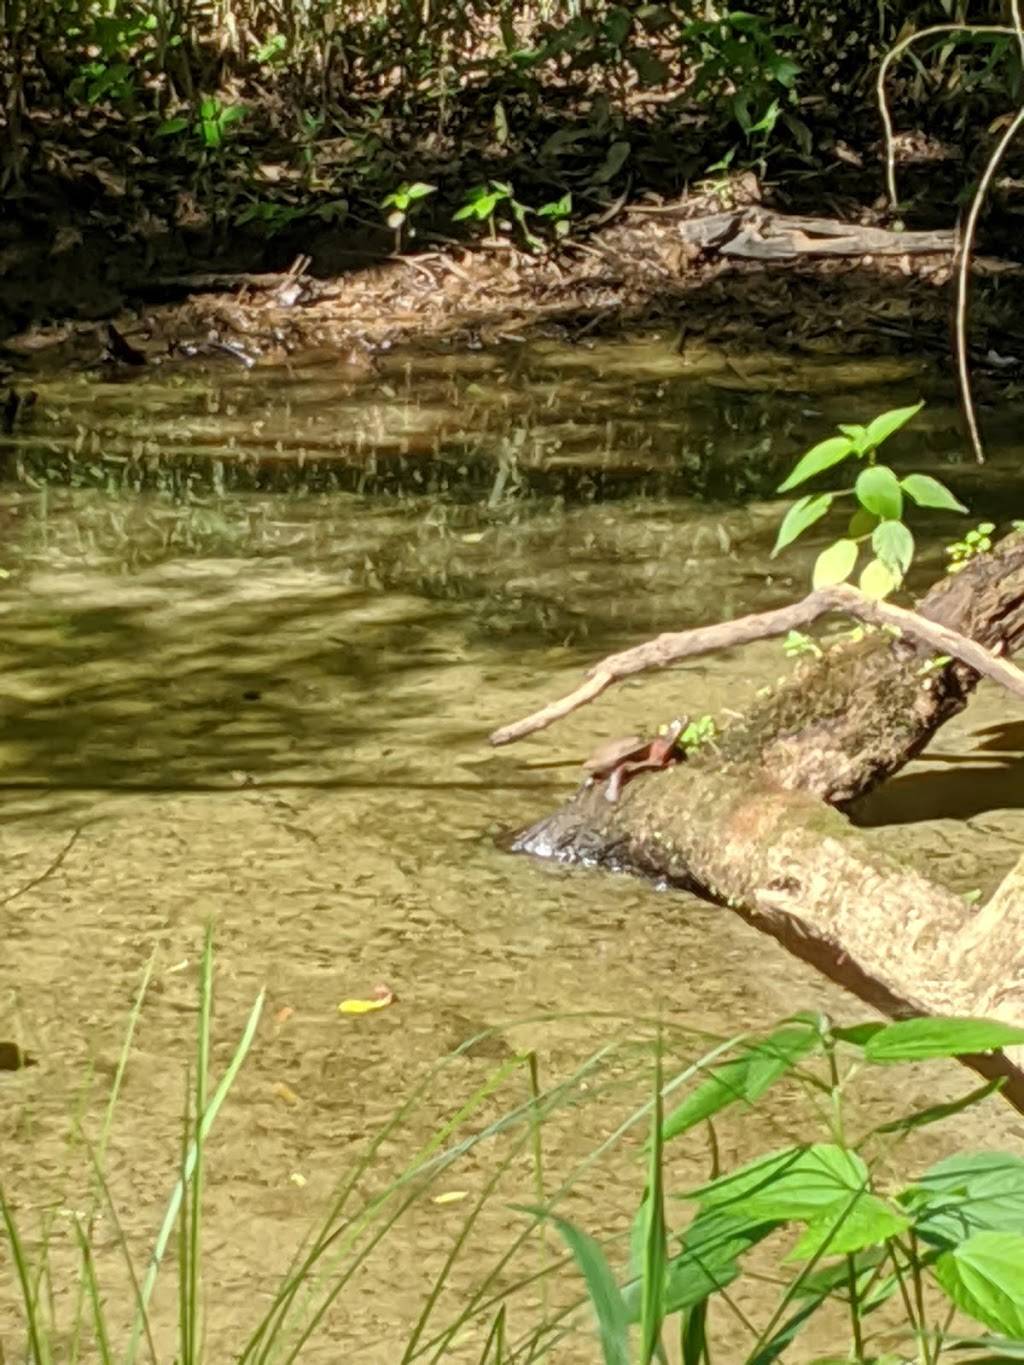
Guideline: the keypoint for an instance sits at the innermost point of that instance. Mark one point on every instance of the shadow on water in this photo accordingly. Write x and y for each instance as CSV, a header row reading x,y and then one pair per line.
x,y
961,789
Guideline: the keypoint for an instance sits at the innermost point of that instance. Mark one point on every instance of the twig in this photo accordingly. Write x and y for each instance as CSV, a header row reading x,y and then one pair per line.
x,y
883,104
671,647
48,871
964,268
966,244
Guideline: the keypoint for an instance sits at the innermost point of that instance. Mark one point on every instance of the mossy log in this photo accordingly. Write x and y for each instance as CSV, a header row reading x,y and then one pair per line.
x,y
756,822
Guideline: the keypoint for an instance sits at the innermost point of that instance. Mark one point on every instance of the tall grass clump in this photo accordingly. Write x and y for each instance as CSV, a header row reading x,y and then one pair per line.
x,y
892,1264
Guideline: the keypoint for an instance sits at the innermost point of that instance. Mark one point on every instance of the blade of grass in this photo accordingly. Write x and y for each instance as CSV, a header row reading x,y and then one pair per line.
x,y
693,1335
88,1276
98,1157
205,1123
441,1279
495,1340
551,1101
537,1129
122,1242
202,1083
654,1251
332,1227
182,1225
38,1343
414,1169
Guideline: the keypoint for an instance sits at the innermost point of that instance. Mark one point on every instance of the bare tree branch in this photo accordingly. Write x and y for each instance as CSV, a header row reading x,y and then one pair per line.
x,y
670,648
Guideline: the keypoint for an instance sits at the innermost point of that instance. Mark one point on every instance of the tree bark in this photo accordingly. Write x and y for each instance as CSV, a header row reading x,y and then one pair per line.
x,y
756,821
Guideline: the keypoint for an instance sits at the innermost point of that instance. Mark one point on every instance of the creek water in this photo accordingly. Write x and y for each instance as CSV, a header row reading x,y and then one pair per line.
x,y
256,626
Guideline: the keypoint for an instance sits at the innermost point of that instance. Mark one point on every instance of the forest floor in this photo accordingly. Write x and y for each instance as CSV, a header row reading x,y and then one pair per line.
x,y
180,294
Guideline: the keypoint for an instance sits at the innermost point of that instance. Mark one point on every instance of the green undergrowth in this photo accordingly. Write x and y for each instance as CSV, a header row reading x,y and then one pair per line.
x,y
732,1261
310,114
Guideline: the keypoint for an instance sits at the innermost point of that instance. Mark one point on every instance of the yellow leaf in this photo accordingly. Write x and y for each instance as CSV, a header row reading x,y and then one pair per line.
x,y
364,1006
452,1197
286,1093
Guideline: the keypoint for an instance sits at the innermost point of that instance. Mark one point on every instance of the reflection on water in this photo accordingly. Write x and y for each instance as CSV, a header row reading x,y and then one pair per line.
x,y
255,629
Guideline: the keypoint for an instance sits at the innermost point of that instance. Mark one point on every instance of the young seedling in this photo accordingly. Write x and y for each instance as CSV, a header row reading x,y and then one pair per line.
x,y
402,202
878,518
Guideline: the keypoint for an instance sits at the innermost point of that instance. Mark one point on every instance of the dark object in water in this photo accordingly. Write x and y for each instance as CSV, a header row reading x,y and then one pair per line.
x,y
15,406
13,1057
119,350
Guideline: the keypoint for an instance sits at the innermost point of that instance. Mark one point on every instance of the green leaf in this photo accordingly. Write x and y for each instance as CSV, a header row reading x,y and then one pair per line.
x,y
419,189
935,1113
857,1035
984,1276
708,1260
818,458
961,1195
877,581
862,523
618,155
883,426
609,1307
171,126
857,434
835,564
651,70
746,1077
878,489
913,1040
232,114
654,1251
798,1182
850,1225
557,208
929,492
893,544
804,513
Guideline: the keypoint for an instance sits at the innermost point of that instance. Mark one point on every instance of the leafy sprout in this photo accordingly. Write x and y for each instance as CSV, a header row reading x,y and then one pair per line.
x,y
877,520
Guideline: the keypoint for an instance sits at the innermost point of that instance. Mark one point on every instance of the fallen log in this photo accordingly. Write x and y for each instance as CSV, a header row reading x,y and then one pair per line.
x,y
755,822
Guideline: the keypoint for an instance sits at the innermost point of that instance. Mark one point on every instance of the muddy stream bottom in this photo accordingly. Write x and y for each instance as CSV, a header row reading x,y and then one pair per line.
x,y
254,632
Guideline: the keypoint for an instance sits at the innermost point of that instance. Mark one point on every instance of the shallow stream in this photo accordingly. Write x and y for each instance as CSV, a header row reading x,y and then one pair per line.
x,y
254,630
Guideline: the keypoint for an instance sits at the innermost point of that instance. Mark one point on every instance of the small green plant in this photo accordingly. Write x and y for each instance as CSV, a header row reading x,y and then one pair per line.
x,y
701,731
482,203
215,119
855,1239
402,202
796,644
974,543
877,520
559,214
933,665
210,124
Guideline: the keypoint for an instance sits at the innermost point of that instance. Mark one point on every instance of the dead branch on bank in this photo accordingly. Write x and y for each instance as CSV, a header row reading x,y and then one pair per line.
x,y
670,647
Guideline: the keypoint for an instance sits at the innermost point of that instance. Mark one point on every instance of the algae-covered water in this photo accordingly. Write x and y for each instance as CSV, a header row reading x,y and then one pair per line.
x,y
255,626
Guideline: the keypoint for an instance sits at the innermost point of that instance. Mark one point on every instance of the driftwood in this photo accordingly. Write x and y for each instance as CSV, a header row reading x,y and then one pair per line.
x,y
758,234
756,821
